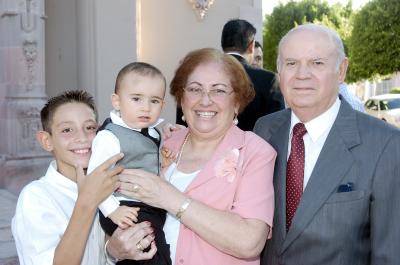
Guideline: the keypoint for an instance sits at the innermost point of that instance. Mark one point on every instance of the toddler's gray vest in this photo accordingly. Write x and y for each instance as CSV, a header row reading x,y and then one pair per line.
x,y
139,151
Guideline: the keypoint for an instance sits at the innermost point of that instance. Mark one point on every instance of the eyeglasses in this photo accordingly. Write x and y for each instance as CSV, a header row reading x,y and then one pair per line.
x,y
215,94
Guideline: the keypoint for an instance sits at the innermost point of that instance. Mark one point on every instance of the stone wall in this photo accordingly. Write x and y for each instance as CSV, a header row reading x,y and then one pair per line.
x,y
8,253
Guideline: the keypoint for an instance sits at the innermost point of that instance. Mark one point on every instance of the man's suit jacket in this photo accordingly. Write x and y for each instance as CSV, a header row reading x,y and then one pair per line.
x,y
359,225
268,98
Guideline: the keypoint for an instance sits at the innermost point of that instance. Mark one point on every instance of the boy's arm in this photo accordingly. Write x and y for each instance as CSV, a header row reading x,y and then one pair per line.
x,y
92,189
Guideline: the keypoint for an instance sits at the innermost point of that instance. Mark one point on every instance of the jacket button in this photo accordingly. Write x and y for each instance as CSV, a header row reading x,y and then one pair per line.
x,y
181,261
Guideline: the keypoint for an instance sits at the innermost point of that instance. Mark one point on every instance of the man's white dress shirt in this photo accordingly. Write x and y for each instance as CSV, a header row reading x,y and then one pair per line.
x,y
317,132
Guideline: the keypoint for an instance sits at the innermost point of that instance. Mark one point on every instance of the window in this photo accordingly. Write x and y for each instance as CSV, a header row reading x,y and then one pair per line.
x,y
393,103
371,104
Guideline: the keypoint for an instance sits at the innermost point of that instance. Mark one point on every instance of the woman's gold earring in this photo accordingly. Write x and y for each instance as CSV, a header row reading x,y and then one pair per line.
x,y
183,118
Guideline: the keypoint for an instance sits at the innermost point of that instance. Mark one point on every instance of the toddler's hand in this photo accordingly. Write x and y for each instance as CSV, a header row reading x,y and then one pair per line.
x,y
124,216
168,128
167,157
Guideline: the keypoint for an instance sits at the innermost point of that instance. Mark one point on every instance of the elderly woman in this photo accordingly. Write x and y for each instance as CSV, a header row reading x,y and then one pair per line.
x,y
218,192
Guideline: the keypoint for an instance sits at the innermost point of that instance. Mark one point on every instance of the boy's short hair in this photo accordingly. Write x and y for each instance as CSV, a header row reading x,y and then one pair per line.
x,y
140,68
72,96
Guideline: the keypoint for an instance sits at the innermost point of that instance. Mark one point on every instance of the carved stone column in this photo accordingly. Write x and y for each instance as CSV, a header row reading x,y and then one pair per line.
x,y
22,89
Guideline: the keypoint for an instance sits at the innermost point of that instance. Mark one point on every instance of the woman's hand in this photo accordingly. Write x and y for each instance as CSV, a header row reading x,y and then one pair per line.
x,y
150,189
224,230
130,243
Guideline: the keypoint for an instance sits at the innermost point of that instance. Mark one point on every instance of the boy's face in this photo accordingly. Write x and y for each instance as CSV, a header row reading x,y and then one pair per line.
x,y
73,128
140,99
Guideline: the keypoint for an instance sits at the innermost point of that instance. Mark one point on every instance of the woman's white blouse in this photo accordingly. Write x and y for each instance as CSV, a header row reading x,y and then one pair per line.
x,y
171,228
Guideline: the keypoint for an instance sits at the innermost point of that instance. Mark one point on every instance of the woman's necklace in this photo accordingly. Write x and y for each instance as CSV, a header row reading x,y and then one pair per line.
x,y
178,158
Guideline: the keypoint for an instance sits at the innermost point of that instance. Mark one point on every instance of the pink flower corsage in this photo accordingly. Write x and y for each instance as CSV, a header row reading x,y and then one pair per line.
x,y
226,167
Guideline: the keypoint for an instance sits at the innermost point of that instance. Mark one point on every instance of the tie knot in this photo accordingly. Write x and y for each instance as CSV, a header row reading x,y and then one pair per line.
x,y
299,130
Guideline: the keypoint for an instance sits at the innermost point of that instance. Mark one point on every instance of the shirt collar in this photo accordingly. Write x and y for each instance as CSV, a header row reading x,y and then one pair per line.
x,y
57,179
236,53
116,119
317,126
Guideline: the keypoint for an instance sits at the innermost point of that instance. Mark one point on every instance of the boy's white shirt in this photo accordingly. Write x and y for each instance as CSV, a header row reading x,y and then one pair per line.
x,y
106,145
42,214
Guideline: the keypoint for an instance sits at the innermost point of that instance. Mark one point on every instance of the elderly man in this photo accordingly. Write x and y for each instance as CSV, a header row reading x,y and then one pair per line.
x,y
337,175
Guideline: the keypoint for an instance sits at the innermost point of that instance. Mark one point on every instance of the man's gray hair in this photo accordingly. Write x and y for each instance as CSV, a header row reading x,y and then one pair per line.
x,y
331,34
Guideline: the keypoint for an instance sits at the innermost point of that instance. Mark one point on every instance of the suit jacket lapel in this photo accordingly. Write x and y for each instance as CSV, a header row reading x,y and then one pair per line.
x,y
333,162
279,181
276,133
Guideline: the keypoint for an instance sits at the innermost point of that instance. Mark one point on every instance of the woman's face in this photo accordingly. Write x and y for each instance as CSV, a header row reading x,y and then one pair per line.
x,y
208,101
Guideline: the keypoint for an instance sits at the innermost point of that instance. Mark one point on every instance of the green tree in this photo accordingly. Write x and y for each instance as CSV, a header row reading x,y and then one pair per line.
x,y
285,17
375,40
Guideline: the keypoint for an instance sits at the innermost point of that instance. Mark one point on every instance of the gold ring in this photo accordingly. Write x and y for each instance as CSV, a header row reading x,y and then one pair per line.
x,y
139,246
135,188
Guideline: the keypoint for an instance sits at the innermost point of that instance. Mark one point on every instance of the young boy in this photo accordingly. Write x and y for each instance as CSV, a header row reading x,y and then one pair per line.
x,y
55,220
137,101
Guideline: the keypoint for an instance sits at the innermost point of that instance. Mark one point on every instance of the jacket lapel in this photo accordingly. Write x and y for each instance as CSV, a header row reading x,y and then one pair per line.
x,y
333,162
279,135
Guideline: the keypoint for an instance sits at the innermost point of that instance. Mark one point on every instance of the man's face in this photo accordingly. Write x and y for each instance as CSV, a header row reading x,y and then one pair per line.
x,y
258,58
309,76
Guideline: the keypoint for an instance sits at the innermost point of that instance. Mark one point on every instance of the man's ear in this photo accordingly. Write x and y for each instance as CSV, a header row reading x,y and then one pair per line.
x,y
115,101
343,69
250,48
44,139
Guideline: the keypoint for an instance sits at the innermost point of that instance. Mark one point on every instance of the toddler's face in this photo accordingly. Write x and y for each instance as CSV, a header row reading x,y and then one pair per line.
x,y
140,99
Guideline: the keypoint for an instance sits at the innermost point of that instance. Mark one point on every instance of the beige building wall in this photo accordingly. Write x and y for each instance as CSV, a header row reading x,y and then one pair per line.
x,y
61,46
88,41
168,30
